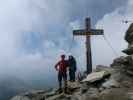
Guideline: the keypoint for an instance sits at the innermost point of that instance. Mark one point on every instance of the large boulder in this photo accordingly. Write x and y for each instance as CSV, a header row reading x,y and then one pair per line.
x,y
129,34
129,39
96,76
120,61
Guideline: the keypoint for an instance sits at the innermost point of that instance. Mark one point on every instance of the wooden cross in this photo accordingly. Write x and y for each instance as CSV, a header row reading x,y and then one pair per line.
x,y
88,32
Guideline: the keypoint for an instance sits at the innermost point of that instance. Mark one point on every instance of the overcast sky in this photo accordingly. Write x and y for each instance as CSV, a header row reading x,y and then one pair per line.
x,y
33,33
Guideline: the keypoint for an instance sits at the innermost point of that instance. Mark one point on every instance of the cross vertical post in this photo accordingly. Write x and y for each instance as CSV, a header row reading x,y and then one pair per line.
x,y
88,46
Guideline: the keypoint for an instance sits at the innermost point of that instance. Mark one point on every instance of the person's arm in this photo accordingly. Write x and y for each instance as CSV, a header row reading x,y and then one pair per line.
x,y
56,66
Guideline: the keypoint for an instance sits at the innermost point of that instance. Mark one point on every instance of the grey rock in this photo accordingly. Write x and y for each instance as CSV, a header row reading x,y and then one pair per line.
x,y
95,76
51,93
129,34
84,88
101,68
59,97
20,98
128,51
73,85
130,95
120,61
111,84
114,94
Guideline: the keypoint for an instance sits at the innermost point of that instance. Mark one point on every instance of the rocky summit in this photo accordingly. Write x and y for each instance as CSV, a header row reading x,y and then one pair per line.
x,y
114,82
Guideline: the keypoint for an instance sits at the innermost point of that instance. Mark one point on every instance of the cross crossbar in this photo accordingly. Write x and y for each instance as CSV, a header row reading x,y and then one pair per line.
x,y
86,32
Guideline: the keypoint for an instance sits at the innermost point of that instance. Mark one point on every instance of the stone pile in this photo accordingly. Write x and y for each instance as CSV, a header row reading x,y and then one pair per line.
x,y
105,83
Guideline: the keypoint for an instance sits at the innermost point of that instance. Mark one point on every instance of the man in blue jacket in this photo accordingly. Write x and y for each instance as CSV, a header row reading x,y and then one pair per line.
x,y
72,68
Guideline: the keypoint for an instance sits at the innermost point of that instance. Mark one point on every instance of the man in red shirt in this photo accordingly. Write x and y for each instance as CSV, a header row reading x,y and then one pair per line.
x,y
61,67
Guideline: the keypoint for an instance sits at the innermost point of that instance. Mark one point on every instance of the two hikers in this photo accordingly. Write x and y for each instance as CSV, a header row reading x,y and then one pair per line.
x,y
61,67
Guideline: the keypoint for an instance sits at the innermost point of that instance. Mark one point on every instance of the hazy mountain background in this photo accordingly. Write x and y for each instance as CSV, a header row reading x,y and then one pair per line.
x,y
33,34
11,86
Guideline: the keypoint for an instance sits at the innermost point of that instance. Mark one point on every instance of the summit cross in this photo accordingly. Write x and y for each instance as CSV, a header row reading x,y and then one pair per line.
x,y
88,32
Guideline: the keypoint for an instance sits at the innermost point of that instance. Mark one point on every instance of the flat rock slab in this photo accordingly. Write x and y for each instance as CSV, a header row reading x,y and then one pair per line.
x,y
95,76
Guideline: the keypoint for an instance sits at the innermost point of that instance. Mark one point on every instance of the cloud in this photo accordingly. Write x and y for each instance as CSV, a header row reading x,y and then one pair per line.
x,y
114,31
